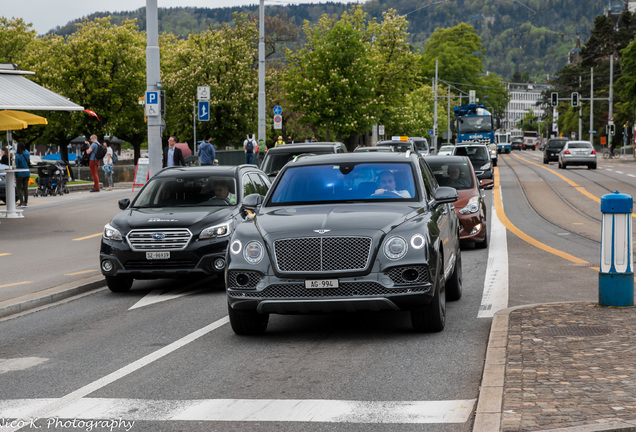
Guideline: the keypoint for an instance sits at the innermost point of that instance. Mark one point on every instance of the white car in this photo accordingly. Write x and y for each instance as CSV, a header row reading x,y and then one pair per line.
x,y
577,153
446,150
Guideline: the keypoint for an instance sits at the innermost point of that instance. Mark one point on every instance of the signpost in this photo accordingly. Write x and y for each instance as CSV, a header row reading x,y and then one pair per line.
x,y
278,121
204,111
152,104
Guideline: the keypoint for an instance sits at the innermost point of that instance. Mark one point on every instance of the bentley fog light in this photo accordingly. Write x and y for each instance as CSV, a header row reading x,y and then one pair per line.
x,y
236,247
215,231
471,207
253,252
395,248
111,233
418,241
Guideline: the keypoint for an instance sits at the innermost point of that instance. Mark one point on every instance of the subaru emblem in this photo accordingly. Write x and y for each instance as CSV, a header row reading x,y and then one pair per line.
x,y
158,236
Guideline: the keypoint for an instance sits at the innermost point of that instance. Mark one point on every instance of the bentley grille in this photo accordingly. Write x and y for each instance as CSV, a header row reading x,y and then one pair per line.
x,y
166,239
322,254
347,289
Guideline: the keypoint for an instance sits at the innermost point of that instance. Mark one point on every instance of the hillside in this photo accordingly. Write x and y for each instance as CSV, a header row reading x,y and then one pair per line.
x,y
522,39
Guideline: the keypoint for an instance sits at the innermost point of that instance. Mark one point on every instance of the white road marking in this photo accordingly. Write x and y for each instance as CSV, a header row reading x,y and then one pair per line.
x,y
249,410
160,295
18,364
495,296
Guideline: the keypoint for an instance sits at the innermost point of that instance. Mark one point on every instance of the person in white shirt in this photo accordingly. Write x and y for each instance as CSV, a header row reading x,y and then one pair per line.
x,y
108,165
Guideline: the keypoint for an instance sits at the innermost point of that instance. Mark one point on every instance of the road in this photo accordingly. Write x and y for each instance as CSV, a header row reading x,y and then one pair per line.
x,y
164,357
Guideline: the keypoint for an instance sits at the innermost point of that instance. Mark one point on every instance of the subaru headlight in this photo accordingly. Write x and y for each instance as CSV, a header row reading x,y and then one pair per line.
x,y
485,166
253,252
216,231
471,207
395,248
111,233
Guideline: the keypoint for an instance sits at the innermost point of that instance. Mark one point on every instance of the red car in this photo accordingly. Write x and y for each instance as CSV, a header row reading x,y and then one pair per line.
x,y
457,172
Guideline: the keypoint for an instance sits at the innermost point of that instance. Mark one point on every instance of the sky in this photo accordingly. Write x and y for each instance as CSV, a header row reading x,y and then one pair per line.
x,y
45,15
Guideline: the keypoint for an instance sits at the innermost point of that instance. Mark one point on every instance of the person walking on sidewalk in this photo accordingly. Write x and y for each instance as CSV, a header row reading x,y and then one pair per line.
x,y
206,151
250,147
108,165
93,162
22,177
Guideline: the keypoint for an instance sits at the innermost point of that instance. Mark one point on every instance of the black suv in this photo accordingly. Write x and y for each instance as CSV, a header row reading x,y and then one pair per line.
x,y
345,233
179,224
552,149
277,157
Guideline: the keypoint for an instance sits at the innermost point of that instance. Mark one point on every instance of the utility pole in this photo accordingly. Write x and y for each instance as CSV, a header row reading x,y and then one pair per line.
x,y
261,74
435,112
580,135
610,119
153,84
592,106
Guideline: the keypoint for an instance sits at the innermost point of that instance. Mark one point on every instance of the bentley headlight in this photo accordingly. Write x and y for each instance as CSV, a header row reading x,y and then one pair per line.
x,y
253,252
395,248
111,233
216,231
471,207
485,166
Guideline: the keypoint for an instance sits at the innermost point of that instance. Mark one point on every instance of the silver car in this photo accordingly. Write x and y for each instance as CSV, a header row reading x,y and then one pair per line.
x,y
577,153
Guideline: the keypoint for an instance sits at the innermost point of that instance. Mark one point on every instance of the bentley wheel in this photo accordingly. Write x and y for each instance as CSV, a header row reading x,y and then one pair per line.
x,y
119,284
432,318
247,322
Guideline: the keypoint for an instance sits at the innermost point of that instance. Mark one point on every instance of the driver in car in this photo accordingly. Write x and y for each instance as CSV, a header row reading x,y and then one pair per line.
x,y
221,192
387,186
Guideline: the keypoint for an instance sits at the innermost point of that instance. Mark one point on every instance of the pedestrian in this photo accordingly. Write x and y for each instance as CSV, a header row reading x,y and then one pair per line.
x,y
279,141
93,162
108,165
262,149
4,160
289,140
22,161
206,151
172,155
84,159
250,147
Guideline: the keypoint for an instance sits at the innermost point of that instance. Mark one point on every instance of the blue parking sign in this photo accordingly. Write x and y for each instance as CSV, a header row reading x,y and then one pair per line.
x,y
204,111
152,97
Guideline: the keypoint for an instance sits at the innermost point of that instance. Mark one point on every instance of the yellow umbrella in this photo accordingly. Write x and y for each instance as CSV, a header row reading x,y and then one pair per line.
x,y
11,123
30,119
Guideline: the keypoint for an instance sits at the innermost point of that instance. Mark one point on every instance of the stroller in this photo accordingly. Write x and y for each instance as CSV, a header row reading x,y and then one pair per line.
x,y
52,179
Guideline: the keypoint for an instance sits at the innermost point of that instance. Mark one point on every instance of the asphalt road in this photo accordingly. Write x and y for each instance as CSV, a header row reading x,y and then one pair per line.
x,y
164,356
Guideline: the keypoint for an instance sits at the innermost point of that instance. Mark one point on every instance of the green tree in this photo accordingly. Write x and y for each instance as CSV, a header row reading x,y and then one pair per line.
x,y
226,60
331,80
15,38
100,67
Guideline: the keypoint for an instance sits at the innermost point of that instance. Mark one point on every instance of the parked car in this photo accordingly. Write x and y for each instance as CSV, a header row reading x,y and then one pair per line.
x,y
277,157
346,233
178,225
399,145
457,172
446,150
422,145
577,153
373,149
552,149
517,144
479,156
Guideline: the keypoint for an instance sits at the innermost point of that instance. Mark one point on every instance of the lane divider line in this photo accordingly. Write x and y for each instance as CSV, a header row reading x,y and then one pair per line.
x,y
87,237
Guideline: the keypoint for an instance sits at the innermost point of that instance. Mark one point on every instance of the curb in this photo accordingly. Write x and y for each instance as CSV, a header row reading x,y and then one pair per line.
x,y
51,295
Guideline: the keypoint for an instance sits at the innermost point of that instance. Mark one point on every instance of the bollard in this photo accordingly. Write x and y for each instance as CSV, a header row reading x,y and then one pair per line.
x,y
616,278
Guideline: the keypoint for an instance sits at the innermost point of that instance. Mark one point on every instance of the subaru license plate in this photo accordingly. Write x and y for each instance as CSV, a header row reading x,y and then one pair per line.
x,y
321,283
157,255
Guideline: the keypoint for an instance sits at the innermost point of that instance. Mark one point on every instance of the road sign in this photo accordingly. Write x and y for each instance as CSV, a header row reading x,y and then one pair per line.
x,y
610,118
380,129
204,111
278,110
152,103
278,121
430,132
203,93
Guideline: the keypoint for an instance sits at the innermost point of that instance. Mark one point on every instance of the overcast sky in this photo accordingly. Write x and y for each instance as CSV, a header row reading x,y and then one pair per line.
x,y
48,14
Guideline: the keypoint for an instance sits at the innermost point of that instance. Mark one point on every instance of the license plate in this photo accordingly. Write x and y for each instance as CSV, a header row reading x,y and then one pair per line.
x,y
157,255
321,283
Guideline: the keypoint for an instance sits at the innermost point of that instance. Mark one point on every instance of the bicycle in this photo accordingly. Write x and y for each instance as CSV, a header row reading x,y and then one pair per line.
x,y
611,154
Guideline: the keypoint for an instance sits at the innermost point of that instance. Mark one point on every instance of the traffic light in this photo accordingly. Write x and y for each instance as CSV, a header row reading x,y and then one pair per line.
x,y
575,99
554,99
612,129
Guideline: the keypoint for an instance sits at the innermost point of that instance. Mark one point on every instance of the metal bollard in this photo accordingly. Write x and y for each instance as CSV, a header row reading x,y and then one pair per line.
x,y
616,278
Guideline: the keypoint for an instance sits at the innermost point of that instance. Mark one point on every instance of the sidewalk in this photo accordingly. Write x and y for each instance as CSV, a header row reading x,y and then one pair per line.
x,y
566,367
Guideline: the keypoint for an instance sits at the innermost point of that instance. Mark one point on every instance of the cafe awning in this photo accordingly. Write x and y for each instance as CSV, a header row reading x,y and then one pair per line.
x,y
14,120
17,92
